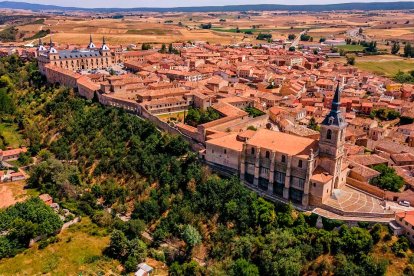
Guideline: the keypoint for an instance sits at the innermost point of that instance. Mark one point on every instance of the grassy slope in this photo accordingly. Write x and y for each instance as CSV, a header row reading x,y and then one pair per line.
x,y
78,251
388,68
11,135
397,265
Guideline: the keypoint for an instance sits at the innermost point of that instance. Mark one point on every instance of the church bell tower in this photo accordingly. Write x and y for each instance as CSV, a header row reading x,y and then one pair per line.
x,y
332,140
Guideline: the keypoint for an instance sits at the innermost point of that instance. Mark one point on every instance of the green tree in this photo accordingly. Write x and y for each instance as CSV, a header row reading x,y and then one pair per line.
x,y
24,159
313,124
187,269
137,249
355,240
408,50
191,236
146,46
163,49
350,60
305,37
395,48
388,179
242,267
24,221
6,103
118,246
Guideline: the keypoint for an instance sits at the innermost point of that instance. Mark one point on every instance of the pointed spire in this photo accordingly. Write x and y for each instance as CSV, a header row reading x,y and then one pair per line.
x,y
90,38
336,103
51,42
103,40
335,117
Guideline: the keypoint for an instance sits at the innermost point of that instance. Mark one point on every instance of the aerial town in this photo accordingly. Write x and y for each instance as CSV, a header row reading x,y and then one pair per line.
x,y
321,144
266,99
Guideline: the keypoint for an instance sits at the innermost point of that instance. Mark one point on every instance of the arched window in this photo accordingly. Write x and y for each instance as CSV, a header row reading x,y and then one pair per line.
x,y
329,134
252,151
267,154
283,159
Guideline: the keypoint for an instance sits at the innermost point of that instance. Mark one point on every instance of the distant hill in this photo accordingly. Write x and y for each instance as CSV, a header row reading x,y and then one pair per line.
x,y
240,8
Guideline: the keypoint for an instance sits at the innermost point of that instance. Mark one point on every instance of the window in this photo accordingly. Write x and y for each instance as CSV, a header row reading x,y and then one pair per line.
x,y
252,150
329,134
280,177
283,159
225,151
301,181
264,170
300,164
267,154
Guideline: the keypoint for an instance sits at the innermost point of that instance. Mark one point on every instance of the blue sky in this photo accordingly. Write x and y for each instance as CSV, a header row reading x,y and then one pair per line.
x,y
181,3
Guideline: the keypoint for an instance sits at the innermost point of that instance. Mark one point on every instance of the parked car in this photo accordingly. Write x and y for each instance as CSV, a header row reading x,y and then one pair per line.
x,y
404,203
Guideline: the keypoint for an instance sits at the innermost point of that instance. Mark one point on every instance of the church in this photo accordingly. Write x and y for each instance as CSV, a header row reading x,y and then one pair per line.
x,y
91,58
298,169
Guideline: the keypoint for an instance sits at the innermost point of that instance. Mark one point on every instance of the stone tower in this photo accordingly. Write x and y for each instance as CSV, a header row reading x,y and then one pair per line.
x,y
332,140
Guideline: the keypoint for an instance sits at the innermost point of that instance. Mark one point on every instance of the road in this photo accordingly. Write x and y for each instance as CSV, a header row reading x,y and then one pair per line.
x,y
355,35
297,39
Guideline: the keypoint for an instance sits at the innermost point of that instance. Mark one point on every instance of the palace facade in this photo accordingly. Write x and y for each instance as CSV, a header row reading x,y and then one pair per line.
x,y
90,58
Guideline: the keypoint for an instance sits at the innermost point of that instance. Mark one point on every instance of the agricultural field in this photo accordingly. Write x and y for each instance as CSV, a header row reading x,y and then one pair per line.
x,y
351,48
387,67
180,27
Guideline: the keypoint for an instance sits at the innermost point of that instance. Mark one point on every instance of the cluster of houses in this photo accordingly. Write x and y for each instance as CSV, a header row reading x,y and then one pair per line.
x,y
276,152
6,173
314,129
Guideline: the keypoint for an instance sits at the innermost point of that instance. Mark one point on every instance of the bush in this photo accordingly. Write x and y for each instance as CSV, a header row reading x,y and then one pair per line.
x,y
241,267
131,264
91,259
400,247
44,243
330,224
387,237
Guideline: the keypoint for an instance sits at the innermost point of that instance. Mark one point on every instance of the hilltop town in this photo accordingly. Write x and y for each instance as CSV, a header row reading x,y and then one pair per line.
x,y
254,155
293,125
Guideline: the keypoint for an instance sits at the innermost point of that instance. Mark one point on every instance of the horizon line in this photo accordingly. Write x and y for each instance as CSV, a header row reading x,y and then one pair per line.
x,y
208,6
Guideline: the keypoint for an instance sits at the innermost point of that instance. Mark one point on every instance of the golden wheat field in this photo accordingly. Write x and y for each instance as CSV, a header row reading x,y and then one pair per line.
x,y
226,28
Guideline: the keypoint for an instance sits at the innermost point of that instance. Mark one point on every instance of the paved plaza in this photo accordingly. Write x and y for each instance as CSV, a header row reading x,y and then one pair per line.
x,y
348,199
355,204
